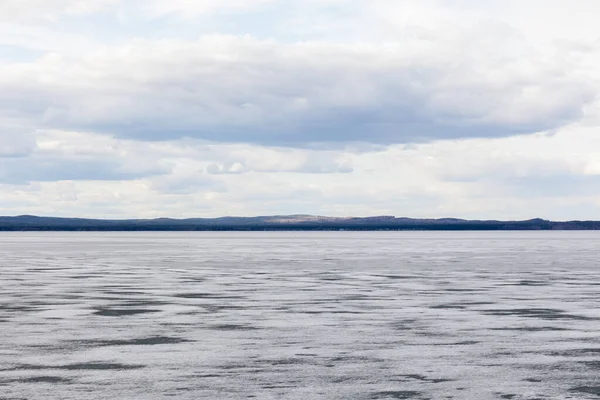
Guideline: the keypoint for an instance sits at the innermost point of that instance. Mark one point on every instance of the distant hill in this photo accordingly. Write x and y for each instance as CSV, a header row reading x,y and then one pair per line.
x,y
282,222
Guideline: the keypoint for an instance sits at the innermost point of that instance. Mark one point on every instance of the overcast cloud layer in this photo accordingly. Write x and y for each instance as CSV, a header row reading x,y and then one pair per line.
x,y
127,108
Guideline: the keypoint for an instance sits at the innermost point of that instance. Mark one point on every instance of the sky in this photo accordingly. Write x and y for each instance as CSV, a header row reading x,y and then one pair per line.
x,y
201,108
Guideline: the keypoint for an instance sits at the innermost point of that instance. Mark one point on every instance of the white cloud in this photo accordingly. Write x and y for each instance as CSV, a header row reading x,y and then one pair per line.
x,y
194,8
48,10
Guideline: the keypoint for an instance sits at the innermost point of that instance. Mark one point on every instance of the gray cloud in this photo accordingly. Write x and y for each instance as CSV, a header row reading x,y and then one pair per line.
x,y
17,138
237,89
557,185
30,169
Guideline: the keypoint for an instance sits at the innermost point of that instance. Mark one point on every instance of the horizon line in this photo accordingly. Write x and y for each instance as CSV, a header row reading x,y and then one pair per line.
x,y
125,219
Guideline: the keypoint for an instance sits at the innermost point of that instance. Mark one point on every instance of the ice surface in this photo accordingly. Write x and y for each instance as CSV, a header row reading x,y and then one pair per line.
x,y
331,315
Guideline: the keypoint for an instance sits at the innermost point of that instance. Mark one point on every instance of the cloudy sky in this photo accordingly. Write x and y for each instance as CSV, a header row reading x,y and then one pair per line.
x,y
181,108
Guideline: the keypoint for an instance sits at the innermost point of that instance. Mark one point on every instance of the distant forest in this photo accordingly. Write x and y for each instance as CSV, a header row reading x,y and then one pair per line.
x,y
283,223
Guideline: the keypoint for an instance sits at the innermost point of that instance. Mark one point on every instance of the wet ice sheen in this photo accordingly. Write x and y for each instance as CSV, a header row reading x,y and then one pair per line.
x,y
331,315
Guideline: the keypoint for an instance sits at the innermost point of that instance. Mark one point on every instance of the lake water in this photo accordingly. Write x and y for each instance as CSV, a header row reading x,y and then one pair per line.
x,y
300,315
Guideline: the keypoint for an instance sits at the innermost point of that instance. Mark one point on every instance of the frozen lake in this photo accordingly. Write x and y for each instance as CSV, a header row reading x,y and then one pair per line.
x,y
300,315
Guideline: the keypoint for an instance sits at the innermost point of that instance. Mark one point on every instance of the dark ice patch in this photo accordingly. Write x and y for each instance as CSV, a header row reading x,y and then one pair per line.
x,y
193,280
595,390
395,394
448,306
462,343
205,296
44,379
576,352
142,303
205,376
122,312
84,276
92,366
331,277
146,341
355,359
404,325
533,380
99,366
288,361
541,313
461,305
424,378
215,308
353,297
271,387
124,292
397,277
11,308
532,283
530,329
592,364
319,312
232,327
